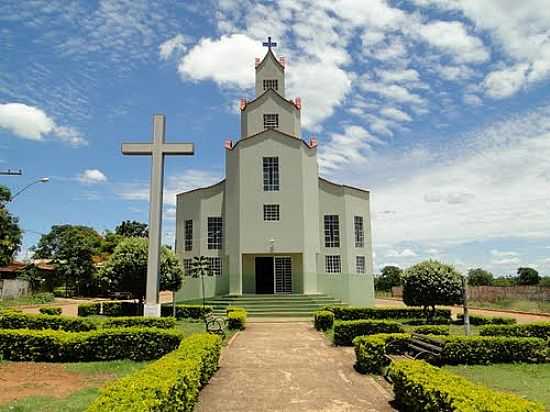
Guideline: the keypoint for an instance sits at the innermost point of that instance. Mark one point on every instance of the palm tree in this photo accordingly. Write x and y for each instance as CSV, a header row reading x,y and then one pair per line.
x,y
199,269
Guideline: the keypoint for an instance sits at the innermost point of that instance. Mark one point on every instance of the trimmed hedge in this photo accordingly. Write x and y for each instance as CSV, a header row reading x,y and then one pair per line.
x,y
358,312
537,330
131,321
89,309
424,321
187,311
121,309
491,349
421,387
346,331
237,319
13,320
323,320
51,310
105,344
370,350
478,320
432,330
169,384
232,308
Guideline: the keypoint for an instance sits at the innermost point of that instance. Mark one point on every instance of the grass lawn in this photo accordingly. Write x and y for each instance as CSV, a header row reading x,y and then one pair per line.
x,y
532,381
515,304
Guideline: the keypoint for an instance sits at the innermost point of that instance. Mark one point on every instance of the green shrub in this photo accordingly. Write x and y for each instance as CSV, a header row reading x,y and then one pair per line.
x,y
232,308
122,309
104,344
130,321
371,351
51,310
169,384
478,320
236,319
432,330
537,330
357,312
346,331
323,320
420,387
491,349
418,322
30,321
43,297
187,311
89,309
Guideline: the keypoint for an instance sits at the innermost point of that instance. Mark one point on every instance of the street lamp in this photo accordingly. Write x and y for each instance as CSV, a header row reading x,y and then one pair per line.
x,y
41,180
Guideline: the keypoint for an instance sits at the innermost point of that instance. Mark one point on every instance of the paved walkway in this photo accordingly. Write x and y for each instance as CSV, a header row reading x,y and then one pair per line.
x,y
290,367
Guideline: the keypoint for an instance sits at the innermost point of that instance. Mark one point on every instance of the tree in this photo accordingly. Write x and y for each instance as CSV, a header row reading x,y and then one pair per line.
x,y
132,228
545,282
389,276
506,281
110,242
49,244
431,283
480,277
10,233
199,269
528,276
126,269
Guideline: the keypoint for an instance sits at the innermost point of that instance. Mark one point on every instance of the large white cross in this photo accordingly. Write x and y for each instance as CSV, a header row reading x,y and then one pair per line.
x,y
158,149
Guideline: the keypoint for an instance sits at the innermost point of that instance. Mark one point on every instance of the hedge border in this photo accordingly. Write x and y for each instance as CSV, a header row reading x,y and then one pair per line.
x,y
236,319
323,320
345,331
360,312
370,351
536,329
187,311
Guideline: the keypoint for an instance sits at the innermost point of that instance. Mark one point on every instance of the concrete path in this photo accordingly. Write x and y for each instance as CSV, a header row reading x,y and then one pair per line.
x,y
290,367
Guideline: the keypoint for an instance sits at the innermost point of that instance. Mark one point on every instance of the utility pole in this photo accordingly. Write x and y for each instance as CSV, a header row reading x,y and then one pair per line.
x,y
10,172
466,313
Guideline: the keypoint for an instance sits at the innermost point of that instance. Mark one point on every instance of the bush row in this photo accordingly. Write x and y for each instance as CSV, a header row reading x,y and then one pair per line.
x,y
323,320
135,309
51,310
236,319
14,320
420,387
105,344
89,309
232,308
346,331
537,329
169,384
121,308
187,311
478,320
370,351
432,330
357,312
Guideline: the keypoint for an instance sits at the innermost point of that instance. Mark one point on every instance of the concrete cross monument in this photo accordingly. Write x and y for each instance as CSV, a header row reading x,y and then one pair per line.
x,y
158,149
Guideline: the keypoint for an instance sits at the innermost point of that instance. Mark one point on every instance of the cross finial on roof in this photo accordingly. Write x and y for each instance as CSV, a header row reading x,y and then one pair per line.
x,y
269,44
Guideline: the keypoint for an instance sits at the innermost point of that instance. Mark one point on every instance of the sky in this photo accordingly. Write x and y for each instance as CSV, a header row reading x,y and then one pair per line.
x,y
441,108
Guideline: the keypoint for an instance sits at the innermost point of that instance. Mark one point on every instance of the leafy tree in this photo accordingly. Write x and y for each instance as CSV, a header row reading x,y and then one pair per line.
x,y
199,269
49,244
10,233
132,228
389,276
528,276
431,283
506,281
480,277
110,242
545,281
126,269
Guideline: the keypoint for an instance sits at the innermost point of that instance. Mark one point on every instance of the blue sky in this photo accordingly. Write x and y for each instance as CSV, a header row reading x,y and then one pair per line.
x,y
440,107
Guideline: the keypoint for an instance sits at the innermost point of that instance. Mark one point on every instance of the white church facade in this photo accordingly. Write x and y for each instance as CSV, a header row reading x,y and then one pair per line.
x,y
273,226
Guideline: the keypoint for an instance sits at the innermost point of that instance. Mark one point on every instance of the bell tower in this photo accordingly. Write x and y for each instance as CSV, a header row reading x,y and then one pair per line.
x,y
270,72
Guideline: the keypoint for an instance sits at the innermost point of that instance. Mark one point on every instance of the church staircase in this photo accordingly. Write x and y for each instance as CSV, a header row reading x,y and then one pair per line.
x,y
273,306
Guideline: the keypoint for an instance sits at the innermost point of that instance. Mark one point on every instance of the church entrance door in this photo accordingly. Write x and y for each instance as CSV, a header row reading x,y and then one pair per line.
x,y
283,274
264,274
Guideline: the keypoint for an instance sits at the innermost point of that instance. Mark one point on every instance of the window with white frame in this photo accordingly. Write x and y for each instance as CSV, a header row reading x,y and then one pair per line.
x,y
215,265
359,231
215,232
271,213
270,84
188,235
271,120
188,266
332,231
333,264
271,174
360,264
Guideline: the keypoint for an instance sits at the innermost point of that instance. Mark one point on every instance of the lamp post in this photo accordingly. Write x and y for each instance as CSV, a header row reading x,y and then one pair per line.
x,y
466,315
41,180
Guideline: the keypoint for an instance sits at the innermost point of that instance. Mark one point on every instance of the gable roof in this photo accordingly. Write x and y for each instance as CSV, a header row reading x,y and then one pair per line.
x,y
272,56
275,93
271,130
343,186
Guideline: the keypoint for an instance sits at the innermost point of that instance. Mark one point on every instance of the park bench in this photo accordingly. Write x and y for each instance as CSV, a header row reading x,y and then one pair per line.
x,y
214,324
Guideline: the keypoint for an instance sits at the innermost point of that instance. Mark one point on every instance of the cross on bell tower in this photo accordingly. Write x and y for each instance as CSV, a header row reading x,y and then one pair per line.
x,y
269,44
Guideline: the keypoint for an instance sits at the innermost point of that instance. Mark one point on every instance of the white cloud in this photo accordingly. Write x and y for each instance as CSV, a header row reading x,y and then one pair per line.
x,y
173,45
505,261
92,176
502,254
403,254
506,82
32,123
472,100
396,114
398,76
392,92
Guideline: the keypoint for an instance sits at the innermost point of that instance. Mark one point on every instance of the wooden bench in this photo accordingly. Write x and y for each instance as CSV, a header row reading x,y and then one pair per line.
x,y
214,325
421,346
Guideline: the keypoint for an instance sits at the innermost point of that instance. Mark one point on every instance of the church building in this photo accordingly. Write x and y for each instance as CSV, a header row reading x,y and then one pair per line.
x,y
273,226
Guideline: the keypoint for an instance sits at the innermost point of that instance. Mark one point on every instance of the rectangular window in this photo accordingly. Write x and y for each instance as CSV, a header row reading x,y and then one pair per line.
x,y
332,231
333,264
360,264
359,231
187,266
215,232
271,174
270,84
215,266
271,213
188,234
271,121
